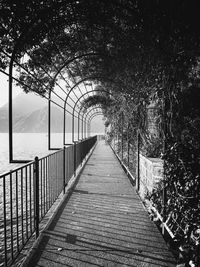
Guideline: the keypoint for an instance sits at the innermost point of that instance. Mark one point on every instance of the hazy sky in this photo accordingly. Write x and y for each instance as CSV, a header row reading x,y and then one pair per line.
x,y
4,89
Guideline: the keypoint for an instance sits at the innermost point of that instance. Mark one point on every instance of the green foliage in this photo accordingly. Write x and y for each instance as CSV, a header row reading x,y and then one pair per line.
x,y
182,170
153,147
102,100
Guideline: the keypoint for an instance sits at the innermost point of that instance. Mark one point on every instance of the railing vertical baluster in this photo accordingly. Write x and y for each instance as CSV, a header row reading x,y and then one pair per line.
x,y
59,169
64,149
164,193
57,174
128,152
48,181
49,186
51,173
66,165
122,139
41,187
26,173
138,160
74,159
69,162
44,185
128,145
17,215
46,188
30,204
36,193
56,178
22,208
52,177
5,219
11,216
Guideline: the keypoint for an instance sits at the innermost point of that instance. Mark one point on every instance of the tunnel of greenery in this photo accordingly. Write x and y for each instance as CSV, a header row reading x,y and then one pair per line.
x,y
137,53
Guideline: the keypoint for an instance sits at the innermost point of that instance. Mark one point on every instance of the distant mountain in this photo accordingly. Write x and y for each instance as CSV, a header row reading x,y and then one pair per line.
x,y
30,114
37,121
24,104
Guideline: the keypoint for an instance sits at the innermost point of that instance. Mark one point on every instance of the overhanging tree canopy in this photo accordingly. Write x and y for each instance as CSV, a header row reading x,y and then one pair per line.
x,y
141,50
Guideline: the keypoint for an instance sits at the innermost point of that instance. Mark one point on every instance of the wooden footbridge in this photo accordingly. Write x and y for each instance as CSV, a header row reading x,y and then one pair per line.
x,y
101,221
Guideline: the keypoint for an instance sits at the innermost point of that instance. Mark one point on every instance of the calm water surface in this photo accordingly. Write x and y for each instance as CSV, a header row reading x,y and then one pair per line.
x,y
27,146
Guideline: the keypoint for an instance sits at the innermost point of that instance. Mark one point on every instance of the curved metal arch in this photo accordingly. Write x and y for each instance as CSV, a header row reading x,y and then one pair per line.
x,y
92,77
82,122
91,91
81,81
93,109
88,113
97,113
94,114
72,59
95,90
64,125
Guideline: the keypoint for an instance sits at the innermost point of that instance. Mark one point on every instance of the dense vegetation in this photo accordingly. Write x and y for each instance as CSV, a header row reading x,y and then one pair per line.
x,y
141,51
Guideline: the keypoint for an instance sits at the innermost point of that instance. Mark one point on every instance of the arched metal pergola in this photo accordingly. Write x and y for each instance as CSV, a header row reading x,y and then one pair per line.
x,y
71,104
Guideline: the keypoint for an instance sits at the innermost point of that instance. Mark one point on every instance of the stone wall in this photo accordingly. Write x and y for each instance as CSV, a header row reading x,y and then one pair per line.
x,y
151,172
152,125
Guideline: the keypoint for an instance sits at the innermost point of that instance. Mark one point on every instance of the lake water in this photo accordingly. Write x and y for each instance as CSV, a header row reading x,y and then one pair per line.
x,y
27,146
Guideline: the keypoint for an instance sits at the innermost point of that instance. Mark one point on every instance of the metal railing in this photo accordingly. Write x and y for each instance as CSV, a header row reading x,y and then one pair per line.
x,y
122,149
28,192
125,152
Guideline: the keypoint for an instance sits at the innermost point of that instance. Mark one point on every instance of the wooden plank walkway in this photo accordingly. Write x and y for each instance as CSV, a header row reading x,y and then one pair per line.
x,y
101,223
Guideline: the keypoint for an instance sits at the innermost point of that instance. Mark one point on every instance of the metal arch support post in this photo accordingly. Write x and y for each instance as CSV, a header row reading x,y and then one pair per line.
x,y
10,111
10,106
65,103
79,122
49,124
82,130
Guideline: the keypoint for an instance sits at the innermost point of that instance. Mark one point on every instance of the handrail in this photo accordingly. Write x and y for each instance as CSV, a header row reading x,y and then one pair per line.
x,y
16,169
28,192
